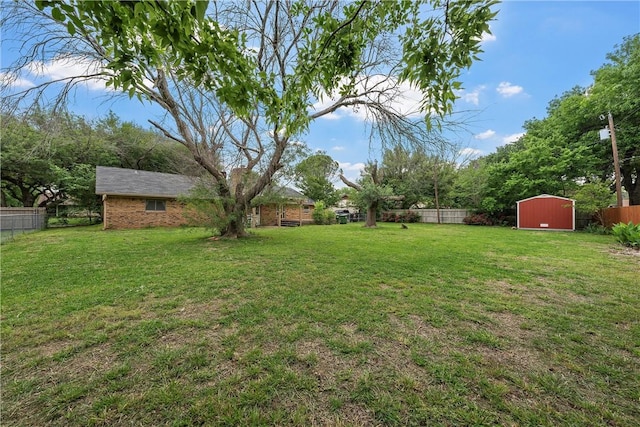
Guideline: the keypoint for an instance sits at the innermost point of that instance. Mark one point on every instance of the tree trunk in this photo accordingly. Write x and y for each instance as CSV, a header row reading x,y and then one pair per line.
x,y
632,186
236,214
372,211
634,193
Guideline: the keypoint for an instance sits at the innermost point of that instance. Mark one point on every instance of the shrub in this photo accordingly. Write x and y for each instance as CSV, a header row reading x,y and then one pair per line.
x,y
388,217
596,228
412,216
322,215
627,234
477,219
408,216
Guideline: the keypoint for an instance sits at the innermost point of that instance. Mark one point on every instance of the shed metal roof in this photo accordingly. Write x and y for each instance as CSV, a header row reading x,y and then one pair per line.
x,y
130,182
545,196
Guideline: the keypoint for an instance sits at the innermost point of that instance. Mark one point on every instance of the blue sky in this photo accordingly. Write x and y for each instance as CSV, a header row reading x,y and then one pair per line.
x,y
538,50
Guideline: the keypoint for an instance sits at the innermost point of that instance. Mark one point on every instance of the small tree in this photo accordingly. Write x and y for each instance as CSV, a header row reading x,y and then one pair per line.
x,y
592,198
371,192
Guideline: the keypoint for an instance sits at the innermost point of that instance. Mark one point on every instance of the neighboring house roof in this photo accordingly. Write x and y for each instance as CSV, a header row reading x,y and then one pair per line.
x,y
288,193
131,182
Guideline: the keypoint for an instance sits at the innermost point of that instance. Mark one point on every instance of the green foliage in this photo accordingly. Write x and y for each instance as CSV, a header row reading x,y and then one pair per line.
x,y
563,149
408,216
79,184
213,54
323,215
314,177
205,208
592,197
371,194
596,229
53,154
627,234
415,174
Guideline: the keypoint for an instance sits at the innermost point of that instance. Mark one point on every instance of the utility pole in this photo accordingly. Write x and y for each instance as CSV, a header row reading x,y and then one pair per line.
x,y
616,164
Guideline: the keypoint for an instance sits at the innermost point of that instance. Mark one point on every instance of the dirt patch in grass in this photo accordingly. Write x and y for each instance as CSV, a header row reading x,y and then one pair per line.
x,y
200,311
335,376
539,292
624,252
95,360
516,352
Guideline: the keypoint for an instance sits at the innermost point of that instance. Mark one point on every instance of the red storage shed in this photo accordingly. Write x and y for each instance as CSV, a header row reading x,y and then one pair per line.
x,y
545,212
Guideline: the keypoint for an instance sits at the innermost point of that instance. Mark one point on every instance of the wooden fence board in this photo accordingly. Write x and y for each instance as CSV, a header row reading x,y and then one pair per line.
x,y
622,214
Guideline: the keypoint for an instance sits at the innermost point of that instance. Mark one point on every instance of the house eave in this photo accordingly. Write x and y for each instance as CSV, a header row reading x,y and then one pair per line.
x,y
139,196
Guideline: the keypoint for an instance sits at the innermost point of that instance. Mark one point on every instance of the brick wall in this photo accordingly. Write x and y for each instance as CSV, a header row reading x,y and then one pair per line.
x,y
121,212
268,214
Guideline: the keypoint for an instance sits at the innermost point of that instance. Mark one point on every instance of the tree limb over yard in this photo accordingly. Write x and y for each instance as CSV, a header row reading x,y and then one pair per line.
x,y
239,79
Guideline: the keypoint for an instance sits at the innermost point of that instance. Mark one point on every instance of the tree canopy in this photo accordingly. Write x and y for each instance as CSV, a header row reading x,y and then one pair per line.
x,y
314,176
50,156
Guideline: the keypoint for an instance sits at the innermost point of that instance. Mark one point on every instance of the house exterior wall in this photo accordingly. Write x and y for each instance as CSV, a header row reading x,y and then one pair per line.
x,y
129,212
546,213
268,215
292,212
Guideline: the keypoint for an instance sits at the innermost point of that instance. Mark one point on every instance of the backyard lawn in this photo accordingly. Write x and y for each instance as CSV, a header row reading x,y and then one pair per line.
x,y
320,325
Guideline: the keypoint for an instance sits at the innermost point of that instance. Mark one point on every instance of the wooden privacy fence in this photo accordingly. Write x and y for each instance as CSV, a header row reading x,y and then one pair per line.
x,y
624,214
21,220
447,216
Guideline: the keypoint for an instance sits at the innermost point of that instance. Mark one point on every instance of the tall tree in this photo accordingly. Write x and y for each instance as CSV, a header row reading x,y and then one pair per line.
x,y
314,176
239,79
616,90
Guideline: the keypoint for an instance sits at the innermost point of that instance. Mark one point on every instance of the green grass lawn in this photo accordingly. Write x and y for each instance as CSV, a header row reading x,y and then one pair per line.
x,y
333,325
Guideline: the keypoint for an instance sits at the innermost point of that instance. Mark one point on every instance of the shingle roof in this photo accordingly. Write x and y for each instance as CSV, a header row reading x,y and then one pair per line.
x,y
130,182
291,194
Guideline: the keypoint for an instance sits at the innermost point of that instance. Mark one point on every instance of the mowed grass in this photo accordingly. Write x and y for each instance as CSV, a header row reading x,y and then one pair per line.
x,y
320,325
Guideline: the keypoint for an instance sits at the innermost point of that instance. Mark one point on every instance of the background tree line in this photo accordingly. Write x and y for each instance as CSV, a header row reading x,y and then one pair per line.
x,y
49,157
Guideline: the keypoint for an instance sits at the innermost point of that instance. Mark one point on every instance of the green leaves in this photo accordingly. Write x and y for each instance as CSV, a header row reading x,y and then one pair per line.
x,y
627,234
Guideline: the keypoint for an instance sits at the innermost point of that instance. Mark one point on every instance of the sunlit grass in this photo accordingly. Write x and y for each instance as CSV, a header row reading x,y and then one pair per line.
x,y
333,325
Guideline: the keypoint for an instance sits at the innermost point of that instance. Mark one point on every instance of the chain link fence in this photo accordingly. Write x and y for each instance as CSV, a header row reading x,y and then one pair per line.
x,y
14,221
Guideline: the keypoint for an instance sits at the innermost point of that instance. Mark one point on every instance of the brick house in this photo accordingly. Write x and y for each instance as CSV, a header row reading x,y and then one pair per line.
x,y
288,208
137,199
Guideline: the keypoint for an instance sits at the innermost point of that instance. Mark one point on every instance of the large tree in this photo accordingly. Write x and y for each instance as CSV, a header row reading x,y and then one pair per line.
x,y
314,176
616,90
239,79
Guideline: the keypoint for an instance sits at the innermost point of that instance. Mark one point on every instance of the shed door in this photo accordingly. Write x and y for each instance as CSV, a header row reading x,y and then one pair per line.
x,y
546,212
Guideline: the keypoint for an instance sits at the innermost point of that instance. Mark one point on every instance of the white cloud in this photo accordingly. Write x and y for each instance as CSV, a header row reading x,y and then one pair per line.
x,y
512,138
338,148
15,82
472,97
507,89
470,152
64,68
486,37
485,135
402,98
346,166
